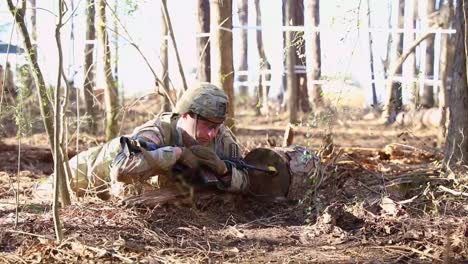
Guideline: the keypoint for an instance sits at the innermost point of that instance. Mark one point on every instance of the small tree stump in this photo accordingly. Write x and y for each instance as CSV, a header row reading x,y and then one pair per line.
x,y
294,166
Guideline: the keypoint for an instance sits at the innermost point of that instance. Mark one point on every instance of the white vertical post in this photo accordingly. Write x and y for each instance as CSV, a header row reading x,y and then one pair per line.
x,y
252,44
408,38
394,40
437,48
422,66
307,36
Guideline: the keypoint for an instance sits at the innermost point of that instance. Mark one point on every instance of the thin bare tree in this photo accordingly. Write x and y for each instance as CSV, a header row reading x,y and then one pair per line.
x,y
167,18
116,43
110,92
59,175
427,98
47,111
203,43
371,56
44,103
222,69
265,67
243,13
164,59
161,89
32,17
291,79
394,102
283,93
313,12
88,85
446,63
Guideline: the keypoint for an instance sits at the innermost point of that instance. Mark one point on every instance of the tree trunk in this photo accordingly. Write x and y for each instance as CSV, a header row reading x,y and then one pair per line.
x,y
203,44
59,175
222,69
88,86
313,11
456,147
427,98
116,44
31,55
395,97
394,69
263,87
61,106
446,59
375,103
299,43
116,34
291,82
33,24
283,93
110,92
397,87
164,60
242,10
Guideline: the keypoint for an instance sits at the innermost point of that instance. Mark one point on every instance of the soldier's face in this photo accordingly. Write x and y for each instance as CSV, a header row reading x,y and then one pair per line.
x,y
206,131
202,130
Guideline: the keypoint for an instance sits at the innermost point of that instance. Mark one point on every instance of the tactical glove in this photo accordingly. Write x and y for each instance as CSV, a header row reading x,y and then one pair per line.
x,y
208,158
188,159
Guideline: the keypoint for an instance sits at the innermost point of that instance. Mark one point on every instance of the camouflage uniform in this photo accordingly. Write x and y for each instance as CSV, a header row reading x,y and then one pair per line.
x,y
94,169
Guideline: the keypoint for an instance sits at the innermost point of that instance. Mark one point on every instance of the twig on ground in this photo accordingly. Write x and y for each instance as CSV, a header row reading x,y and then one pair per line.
x,y
453,192
10,258
407,248
29,234
100,250
407,180
360,183
410,200
263,221
380,177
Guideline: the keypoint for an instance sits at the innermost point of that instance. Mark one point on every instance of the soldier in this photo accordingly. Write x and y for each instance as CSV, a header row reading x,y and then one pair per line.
x,y
192,137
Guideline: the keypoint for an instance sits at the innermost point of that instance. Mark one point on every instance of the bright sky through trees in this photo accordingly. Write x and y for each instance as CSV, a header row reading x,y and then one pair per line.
x,y
344,39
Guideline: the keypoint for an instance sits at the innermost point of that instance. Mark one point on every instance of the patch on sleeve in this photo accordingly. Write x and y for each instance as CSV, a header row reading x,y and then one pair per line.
x,y
151,135
233,151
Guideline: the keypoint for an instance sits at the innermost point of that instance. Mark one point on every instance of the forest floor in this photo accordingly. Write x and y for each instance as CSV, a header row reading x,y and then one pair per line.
x,y
385,199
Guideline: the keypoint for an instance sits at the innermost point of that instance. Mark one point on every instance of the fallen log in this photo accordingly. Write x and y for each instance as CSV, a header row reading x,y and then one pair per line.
x,y
420,118
399,151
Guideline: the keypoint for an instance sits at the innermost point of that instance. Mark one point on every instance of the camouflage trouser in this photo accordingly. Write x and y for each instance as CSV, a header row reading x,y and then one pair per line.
x,y
90,169
95,171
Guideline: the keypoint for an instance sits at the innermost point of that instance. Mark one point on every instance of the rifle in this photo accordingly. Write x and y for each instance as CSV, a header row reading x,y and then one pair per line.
x,y
207,177
241,163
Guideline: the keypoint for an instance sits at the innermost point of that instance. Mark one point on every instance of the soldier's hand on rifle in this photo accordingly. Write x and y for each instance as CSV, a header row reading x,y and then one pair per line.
x,y
188,159
198,156
207,158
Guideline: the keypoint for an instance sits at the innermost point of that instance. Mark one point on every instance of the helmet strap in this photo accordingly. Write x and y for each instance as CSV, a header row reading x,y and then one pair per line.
x,y
195,128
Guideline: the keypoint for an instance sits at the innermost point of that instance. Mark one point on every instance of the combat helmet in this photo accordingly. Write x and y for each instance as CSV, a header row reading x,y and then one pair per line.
x,y
204,99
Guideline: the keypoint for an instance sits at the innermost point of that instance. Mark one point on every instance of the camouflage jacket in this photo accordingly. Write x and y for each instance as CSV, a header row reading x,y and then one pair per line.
x,y
92,169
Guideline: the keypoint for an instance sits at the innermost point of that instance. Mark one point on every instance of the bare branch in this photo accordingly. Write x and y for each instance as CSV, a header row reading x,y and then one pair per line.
x,y
132,43
174,44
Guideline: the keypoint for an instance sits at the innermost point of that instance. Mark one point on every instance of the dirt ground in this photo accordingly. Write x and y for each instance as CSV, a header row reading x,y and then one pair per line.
x,y
383,197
